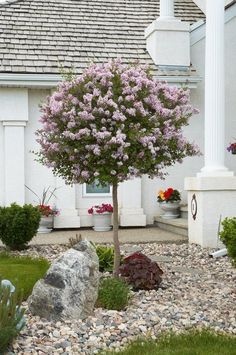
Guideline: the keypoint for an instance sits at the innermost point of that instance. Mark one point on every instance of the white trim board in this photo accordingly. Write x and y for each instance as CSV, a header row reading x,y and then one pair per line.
x,y
198,30
29,80
43,81
202,4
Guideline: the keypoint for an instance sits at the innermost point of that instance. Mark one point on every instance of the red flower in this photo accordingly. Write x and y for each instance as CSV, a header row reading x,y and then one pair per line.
x,y
168,193
47,211
104,207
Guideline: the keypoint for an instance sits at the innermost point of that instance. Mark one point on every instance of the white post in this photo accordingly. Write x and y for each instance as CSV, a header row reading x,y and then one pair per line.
x,y
214,92
167,9
14,157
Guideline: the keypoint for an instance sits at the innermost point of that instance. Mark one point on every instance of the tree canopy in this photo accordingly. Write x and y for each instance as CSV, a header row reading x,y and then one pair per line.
x,y
112,123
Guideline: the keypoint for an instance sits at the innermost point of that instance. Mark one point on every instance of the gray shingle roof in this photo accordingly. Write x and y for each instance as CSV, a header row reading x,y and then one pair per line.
x,y
39,36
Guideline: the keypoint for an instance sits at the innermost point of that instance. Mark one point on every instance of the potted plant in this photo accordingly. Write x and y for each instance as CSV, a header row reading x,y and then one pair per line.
x,y
232,148
169,201
101,217
47,211
47,214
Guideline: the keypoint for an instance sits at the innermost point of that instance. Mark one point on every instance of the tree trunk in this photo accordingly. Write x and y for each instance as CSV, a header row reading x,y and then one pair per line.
x,y
115,231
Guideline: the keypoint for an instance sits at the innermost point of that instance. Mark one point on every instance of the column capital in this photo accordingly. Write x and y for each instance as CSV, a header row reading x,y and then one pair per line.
x,y
14,123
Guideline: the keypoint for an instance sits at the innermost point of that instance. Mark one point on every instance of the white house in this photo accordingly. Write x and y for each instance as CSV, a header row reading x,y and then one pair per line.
x,y
37,38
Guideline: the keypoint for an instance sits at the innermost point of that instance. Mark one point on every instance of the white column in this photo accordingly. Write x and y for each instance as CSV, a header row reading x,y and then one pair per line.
x,y
212,194
167,9
14,159
131,212
214,92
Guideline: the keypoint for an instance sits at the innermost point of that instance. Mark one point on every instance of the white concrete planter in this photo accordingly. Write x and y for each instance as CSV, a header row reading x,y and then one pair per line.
x,y
45,224
102,222
171,209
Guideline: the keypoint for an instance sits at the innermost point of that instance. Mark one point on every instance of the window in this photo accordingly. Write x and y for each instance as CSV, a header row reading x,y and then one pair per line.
x,y
95,189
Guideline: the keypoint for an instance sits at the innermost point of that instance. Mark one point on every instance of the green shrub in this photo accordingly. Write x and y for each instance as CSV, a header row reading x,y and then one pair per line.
x,y
228,236
22,271
106,258
113,293
11,317
18,225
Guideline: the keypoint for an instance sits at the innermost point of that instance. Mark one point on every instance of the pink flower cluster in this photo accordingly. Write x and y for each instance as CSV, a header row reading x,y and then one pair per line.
x,y
103,208
113,123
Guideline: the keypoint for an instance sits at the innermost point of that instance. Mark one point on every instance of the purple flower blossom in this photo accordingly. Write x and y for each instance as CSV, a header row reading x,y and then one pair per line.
x,y
99,127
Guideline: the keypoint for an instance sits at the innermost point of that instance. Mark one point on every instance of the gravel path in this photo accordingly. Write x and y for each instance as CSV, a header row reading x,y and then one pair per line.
x,y
197,291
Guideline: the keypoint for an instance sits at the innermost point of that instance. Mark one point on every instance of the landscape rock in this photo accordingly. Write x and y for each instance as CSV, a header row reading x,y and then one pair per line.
x,y
70,287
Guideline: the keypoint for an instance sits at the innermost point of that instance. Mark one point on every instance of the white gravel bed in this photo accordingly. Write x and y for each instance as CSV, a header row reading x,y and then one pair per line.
x,y
197,291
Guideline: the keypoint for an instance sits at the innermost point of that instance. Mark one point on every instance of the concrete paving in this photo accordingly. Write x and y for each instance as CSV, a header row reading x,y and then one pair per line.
x,y
126,235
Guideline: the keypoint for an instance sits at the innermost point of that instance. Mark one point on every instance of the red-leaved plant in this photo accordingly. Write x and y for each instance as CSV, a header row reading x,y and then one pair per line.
x,y
141,272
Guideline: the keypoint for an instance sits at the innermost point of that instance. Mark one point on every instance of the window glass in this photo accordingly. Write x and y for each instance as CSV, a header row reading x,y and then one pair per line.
x,y
96,188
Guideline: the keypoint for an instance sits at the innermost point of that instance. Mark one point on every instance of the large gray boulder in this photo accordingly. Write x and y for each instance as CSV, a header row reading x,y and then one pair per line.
x,y
70,287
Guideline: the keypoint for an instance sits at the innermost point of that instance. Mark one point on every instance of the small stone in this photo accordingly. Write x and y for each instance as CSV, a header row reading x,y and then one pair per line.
x,y
56,334
122,326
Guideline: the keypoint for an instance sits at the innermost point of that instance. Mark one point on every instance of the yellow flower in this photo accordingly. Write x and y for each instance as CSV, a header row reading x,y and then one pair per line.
x,y
161,195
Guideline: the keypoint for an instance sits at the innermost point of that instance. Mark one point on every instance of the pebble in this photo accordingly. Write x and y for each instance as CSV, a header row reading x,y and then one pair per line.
x,y
196,291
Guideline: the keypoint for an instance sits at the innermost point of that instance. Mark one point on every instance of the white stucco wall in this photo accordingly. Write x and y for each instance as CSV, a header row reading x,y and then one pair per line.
x,y
37,176
195,131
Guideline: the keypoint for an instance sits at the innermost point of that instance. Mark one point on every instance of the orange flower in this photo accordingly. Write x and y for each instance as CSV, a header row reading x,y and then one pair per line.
x,y
161,195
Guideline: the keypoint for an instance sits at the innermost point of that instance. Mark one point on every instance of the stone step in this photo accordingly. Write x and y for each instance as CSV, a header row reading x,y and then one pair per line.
x,y
178,225
184,212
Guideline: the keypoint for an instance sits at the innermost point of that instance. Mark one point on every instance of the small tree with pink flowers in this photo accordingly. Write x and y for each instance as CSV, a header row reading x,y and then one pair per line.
x,y
111,124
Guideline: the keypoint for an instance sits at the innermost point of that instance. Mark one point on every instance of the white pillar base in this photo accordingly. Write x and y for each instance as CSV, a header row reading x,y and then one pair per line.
x,y
66,203
213,171
211,198
131,212
67,220
131,217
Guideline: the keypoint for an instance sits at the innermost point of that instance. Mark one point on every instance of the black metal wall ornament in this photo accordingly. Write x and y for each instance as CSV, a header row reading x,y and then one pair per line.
x,y
194,207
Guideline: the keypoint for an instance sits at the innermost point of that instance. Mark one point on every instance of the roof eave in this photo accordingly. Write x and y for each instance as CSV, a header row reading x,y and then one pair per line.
x,y
49,81
42,81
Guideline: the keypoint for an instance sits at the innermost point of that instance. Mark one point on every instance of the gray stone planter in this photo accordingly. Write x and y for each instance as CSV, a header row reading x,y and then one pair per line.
x,y
45,224
102,222
171,209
